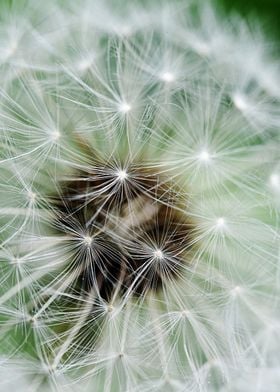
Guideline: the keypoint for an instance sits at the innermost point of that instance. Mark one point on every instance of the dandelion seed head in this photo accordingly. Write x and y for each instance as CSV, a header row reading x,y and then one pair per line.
x,y
139,202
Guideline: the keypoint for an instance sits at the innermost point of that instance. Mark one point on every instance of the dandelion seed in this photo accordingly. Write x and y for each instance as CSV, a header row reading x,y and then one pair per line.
x,y
124,30
32,196
10,49
237,290
240,102
124,107
17,261
275,181
167,77
185,313
204,156
85,64
87,240
55,135
158,254
220,222
122,175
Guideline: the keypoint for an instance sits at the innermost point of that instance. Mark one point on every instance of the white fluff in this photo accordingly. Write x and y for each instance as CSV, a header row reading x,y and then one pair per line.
x,y
194,97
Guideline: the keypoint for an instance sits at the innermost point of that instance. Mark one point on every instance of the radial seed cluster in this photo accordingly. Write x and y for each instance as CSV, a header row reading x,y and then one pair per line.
x,y
139,198
129,231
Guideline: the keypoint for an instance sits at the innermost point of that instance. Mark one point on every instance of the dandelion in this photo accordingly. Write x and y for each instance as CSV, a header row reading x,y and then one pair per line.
x,y
139,179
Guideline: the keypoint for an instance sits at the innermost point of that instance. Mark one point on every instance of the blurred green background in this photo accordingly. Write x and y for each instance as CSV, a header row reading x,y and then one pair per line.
x,y
268,11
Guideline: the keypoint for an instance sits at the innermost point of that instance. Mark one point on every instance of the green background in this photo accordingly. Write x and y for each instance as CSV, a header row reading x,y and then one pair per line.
x,y
267,11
